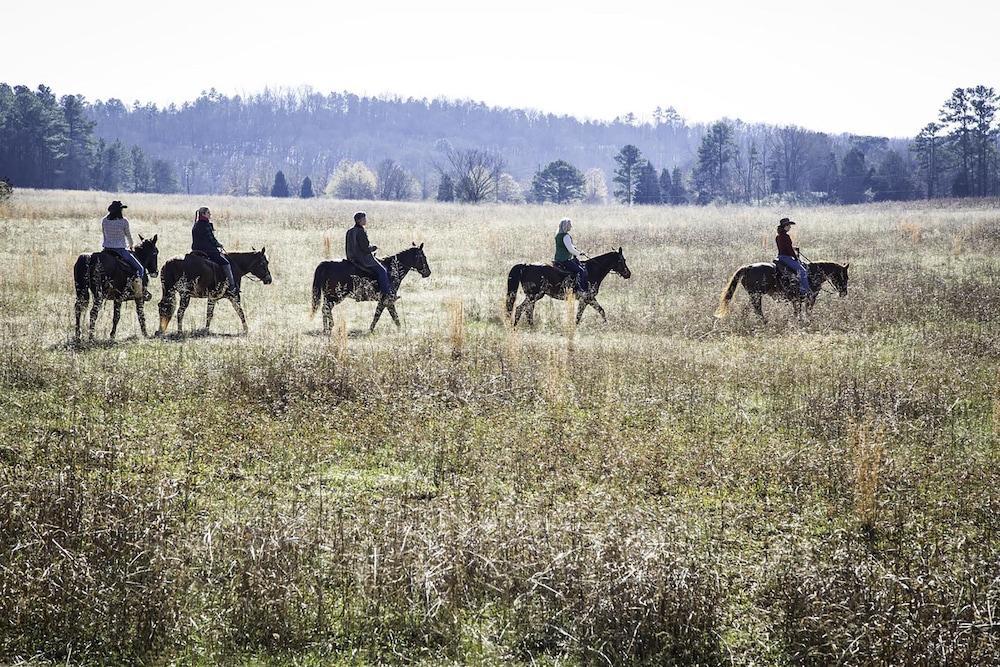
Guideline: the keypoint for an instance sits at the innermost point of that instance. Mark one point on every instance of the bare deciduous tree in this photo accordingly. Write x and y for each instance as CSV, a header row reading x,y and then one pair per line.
x,y
475,173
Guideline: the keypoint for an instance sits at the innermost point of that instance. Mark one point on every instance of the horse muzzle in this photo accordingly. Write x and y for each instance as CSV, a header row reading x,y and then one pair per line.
x,y
154,274
266,280
425,274
626,275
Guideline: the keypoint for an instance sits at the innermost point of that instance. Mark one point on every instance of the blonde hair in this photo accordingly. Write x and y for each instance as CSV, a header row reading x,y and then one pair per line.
x,y
197,214
564,225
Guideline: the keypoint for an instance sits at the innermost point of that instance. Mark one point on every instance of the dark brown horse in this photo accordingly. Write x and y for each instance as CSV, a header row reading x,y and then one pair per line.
x,y
196,276
106,276
764,278
335,281
540,280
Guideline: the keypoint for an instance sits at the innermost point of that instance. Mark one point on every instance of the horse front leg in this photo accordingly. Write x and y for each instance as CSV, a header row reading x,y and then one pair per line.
x,y
531,311
140,313
116,315
378,313
94,311
579,310
596,306
395,317
209,313
519,311
238,307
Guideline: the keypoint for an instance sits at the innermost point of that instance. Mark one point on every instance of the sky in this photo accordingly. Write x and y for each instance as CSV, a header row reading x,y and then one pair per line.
x,y
866,67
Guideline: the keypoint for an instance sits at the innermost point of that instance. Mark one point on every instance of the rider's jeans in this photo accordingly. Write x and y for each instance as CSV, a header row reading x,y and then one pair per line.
x,y
796,265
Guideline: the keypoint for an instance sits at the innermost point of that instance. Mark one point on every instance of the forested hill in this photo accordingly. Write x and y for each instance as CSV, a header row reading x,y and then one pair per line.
x,y
392,148
227,144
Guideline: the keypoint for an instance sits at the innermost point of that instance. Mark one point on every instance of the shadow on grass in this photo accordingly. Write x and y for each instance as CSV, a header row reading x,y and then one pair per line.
x,y
85,345
176,337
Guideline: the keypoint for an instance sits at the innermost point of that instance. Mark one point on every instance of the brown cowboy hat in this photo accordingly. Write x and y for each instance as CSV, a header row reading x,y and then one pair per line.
x,y
786,221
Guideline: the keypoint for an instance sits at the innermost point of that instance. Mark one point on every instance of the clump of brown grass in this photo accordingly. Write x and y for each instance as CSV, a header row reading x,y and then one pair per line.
x,y
911,231
456,326
868,452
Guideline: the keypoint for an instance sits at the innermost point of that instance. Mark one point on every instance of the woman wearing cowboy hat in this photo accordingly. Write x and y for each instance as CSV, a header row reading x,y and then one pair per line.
x,y
118,239
788,255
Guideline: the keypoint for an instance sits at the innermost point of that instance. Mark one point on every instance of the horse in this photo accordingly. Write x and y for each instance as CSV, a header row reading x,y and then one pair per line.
x,y
764,278
539,280
196,276
334,281
106,276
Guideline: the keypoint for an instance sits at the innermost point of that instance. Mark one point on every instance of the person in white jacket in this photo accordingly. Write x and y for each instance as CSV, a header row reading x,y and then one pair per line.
x,y
568,256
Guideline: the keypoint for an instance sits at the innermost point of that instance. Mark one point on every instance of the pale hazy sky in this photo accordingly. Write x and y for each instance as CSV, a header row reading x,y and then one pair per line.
x,y
870,66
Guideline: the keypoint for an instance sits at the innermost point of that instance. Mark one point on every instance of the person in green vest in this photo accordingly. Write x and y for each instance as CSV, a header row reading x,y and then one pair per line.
x,y
568,256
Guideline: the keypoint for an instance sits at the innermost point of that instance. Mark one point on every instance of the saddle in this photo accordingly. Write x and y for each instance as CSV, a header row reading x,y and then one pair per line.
x,y
122,264
561,271
363,271
787,276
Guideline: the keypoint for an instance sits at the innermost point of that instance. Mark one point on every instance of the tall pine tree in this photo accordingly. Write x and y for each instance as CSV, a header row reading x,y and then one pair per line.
x,y
280,187
647,190
626,178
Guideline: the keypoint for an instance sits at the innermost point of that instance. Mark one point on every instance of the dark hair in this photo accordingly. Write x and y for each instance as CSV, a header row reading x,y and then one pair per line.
x,y
359,216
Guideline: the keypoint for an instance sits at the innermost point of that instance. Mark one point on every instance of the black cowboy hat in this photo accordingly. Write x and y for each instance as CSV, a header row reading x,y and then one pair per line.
x,y
786,221
116,206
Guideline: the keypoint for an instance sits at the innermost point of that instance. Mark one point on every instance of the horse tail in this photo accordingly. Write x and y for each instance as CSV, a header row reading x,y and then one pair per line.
x,y
727,294
317,291
513,281
81,278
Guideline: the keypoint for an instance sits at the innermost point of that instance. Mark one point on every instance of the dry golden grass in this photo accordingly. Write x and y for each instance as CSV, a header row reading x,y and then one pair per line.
x,y
669,488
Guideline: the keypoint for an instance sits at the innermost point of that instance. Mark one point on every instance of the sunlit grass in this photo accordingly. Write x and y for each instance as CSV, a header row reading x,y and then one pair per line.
x,y
669,487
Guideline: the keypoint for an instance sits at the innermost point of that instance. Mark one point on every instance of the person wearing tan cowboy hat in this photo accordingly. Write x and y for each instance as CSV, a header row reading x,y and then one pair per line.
x,y
788,255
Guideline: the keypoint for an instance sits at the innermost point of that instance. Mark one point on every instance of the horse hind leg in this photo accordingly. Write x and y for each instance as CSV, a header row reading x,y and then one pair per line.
x,y
94,311
209,314
116,315
327,314
596,306
184,302
520,311
755,301
81,304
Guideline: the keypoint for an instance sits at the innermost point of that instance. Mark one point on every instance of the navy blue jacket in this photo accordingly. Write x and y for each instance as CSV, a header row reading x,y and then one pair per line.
x,y
203,238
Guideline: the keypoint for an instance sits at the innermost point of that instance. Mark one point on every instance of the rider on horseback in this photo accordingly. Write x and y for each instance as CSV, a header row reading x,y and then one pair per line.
x,y
203,240
118,240
568,257
361,254
788,255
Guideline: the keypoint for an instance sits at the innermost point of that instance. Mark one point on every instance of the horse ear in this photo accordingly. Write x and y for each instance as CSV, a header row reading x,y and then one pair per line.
x,y
421,246
619,250
140,238
413,243
847,266
262,250
253,248
155,236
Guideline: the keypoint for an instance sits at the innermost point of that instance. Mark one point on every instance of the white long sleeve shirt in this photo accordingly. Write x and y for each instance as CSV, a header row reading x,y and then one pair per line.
x,y
568,242
116,233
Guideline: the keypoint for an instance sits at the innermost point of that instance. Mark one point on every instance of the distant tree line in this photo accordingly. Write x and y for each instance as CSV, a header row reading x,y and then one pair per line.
x,y
305,143
47,142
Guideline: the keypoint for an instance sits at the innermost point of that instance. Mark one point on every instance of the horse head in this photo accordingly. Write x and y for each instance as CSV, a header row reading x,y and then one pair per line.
x,y
620,267
838,276
419,260
148,255
258,266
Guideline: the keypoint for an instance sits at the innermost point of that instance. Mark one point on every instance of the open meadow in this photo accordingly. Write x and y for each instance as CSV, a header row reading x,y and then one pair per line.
x,y
667,488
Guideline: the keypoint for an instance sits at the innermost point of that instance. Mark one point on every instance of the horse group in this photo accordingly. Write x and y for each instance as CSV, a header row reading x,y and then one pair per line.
x,y
102,276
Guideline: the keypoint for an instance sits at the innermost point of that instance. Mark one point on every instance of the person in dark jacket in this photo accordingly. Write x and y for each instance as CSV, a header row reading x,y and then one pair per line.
x,y
203,240
788,255
361,253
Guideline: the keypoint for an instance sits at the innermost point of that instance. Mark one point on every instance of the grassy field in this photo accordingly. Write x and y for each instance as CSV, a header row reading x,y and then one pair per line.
x,y
666,488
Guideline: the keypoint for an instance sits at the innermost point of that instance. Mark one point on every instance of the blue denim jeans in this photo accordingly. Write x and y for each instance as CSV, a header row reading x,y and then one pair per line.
x,y
125,254
796,265
577,268
382,275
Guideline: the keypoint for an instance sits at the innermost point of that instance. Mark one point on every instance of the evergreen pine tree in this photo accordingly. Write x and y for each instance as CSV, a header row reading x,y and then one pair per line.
x,y
853,178
306,191
629,160
666,187
647,190
280,187
678,193
560,183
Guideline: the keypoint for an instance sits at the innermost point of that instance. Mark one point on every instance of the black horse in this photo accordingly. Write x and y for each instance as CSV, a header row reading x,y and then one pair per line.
x,y
539,280
196,276
765,278
106,276
335,281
